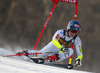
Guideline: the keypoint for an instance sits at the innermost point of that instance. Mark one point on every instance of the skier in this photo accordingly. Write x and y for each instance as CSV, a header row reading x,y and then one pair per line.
x,y
60,46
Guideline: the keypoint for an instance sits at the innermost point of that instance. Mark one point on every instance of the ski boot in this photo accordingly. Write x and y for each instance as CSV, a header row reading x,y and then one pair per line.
x,y
38,60
69,66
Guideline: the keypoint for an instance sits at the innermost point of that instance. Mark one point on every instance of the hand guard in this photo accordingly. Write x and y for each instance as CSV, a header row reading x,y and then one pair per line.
x,y
64,49
78,63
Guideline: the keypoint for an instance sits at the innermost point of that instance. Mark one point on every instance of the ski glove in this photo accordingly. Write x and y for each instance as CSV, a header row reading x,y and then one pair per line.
x,y
64,49
78,63
78,60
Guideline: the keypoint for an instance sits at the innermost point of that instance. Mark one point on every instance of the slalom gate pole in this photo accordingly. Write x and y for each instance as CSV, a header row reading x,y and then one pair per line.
x,y
44,26
75,17
76,6
70,59
36,53
22,54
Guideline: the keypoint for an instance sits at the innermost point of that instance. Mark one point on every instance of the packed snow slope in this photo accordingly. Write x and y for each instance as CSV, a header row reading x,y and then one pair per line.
x,y
17,65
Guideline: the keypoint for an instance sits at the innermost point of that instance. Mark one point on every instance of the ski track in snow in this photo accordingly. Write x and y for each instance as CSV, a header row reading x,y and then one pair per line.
x,y
16,65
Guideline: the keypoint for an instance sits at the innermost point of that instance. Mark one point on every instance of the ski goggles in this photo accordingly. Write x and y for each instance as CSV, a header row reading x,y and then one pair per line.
x,y
74,31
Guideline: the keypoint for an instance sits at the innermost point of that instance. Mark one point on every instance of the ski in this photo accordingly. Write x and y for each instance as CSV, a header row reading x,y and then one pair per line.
x,y
42,61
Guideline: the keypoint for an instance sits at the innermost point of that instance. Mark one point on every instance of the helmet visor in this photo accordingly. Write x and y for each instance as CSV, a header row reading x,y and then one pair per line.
x,y
74,31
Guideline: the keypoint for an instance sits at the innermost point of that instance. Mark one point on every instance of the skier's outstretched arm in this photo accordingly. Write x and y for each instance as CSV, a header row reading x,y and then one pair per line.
x,y
78,45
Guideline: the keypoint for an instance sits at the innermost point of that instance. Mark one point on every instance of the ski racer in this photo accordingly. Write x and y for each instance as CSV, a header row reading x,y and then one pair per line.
x,y
60,47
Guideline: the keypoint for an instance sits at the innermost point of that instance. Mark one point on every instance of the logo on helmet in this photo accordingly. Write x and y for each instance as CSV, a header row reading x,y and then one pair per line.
x,y
77,26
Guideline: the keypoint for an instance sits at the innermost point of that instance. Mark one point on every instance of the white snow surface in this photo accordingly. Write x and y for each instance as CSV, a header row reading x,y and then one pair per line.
x,y
22,65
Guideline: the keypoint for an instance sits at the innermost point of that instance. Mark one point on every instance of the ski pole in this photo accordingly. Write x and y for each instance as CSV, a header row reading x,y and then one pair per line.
x,y
44,26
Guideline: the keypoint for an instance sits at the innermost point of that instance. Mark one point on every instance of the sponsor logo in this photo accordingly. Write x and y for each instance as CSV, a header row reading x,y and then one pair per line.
x,y
80,48
57,37
70,1
77,26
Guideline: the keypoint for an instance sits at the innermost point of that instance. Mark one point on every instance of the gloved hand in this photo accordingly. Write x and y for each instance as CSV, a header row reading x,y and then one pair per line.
x,y
64,49
25,52
78,60
78,63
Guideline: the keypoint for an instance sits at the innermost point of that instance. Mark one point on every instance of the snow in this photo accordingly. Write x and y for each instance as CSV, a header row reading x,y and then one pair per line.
x,y
18,65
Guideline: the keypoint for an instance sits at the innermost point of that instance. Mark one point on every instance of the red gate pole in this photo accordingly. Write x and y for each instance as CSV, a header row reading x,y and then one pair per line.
x,y
75,16
76,6
44,26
